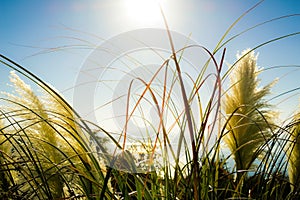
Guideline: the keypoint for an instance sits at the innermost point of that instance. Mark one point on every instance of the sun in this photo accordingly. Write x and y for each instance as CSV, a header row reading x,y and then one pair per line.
x,y
144,11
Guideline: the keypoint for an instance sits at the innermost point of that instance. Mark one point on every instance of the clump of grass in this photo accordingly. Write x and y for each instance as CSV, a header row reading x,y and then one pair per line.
x,y
5,174
293,153
250,118
50,154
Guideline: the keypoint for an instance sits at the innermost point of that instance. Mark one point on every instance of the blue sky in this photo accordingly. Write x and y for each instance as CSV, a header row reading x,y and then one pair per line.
x,y
54,38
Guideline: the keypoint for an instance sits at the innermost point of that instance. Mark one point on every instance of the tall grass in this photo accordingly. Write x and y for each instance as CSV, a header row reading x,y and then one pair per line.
x,y
250,117
293,153
47,151
50,155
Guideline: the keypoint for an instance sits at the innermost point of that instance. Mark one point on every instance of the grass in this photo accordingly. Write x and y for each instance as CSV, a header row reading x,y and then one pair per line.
x,y
250,121
47,151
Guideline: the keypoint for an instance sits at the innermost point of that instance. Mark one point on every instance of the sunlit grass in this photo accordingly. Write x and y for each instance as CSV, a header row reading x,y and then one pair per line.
x,y
47,151
250,117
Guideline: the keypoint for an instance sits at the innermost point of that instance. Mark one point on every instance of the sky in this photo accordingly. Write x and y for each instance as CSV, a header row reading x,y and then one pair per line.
x,y
54,39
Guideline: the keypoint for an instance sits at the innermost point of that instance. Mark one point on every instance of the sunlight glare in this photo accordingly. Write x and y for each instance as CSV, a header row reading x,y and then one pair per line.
x,y
143,11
